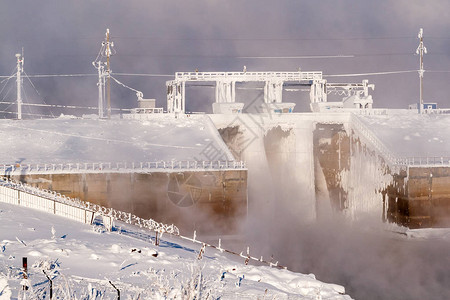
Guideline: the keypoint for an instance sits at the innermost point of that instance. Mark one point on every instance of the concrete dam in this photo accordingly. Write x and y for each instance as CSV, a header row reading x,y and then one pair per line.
x,y
213,173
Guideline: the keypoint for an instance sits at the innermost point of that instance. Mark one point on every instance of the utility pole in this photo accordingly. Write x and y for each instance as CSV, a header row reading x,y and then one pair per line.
x,y
421,50
19,85
108,46
101,87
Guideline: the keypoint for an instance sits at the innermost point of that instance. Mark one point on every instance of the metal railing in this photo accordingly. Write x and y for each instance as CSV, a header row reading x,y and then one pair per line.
x,y
424,160
247,76
11,169
148,110
388,155
370,137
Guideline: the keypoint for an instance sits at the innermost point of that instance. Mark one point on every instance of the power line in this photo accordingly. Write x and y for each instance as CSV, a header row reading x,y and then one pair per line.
x,y
295,57
370,74
29,114
60,75
7,78
267,39
126,86
356,55
64,106
143,75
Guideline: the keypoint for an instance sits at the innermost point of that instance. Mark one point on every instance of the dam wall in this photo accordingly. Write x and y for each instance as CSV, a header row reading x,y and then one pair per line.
x,y
356,176
420,197
314,165
211,202
299,168
279,153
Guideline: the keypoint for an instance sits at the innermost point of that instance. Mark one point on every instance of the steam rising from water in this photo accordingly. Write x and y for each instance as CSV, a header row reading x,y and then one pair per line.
x,y
370,262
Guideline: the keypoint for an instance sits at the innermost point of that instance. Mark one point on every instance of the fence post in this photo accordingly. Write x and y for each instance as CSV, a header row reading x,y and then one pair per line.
x,y
51,284
25,271
118,292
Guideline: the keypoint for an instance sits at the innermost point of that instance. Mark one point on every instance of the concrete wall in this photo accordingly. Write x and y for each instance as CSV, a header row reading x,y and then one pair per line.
x,y
206,201
420,197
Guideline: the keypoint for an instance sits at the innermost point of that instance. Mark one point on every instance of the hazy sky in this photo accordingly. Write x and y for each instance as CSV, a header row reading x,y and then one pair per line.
x,y
162,37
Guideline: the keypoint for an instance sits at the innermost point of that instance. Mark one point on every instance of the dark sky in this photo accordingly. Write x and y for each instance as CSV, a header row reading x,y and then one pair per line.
x,y
162,37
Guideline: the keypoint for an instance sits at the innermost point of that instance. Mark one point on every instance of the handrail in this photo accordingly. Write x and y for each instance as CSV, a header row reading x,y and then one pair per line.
x,y
247,76
7,169
357,125
389,156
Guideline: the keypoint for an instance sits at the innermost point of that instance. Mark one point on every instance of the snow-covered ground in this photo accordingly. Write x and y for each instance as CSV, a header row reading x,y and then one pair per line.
x,y
73,140
82,259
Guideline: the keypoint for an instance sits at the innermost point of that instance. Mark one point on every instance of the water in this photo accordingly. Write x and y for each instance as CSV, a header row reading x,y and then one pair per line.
x,y
370,263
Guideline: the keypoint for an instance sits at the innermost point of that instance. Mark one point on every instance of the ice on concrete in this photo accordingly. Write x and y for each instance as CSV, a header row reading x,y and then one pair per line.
x,y
75,140
412,135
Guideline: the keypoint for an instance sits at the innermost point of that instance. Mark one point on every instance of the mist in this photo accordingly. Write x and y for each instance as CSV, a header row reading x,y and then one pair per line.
x,y
160,37
371,259
163,37
361,255
370,264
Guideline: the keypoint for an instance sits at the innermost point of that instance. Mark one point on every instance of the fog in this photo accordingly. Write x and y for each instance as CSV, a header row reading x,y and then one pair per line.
x,y
371,264
370,261
162,37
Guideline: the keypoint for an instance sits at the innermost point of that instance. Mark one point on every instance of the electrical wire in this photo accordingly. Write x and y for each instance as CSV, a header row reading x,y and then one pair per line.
x,y
302,57
99,54
126,86
60,75
269,39
64,106
7,93
144,75
27,114
7,78
370,74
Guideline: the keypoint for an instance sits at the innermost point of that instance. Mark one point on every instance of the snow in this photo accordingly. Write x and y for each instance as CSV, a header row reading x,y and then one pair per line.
x,y
412,135
364,182
73,140
82,259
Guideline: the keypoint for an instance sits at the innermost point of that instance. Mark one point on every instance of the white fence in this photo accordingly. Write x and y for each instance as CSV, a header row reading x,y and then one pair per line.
x,y
13,194
13,169
85,212
75,209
